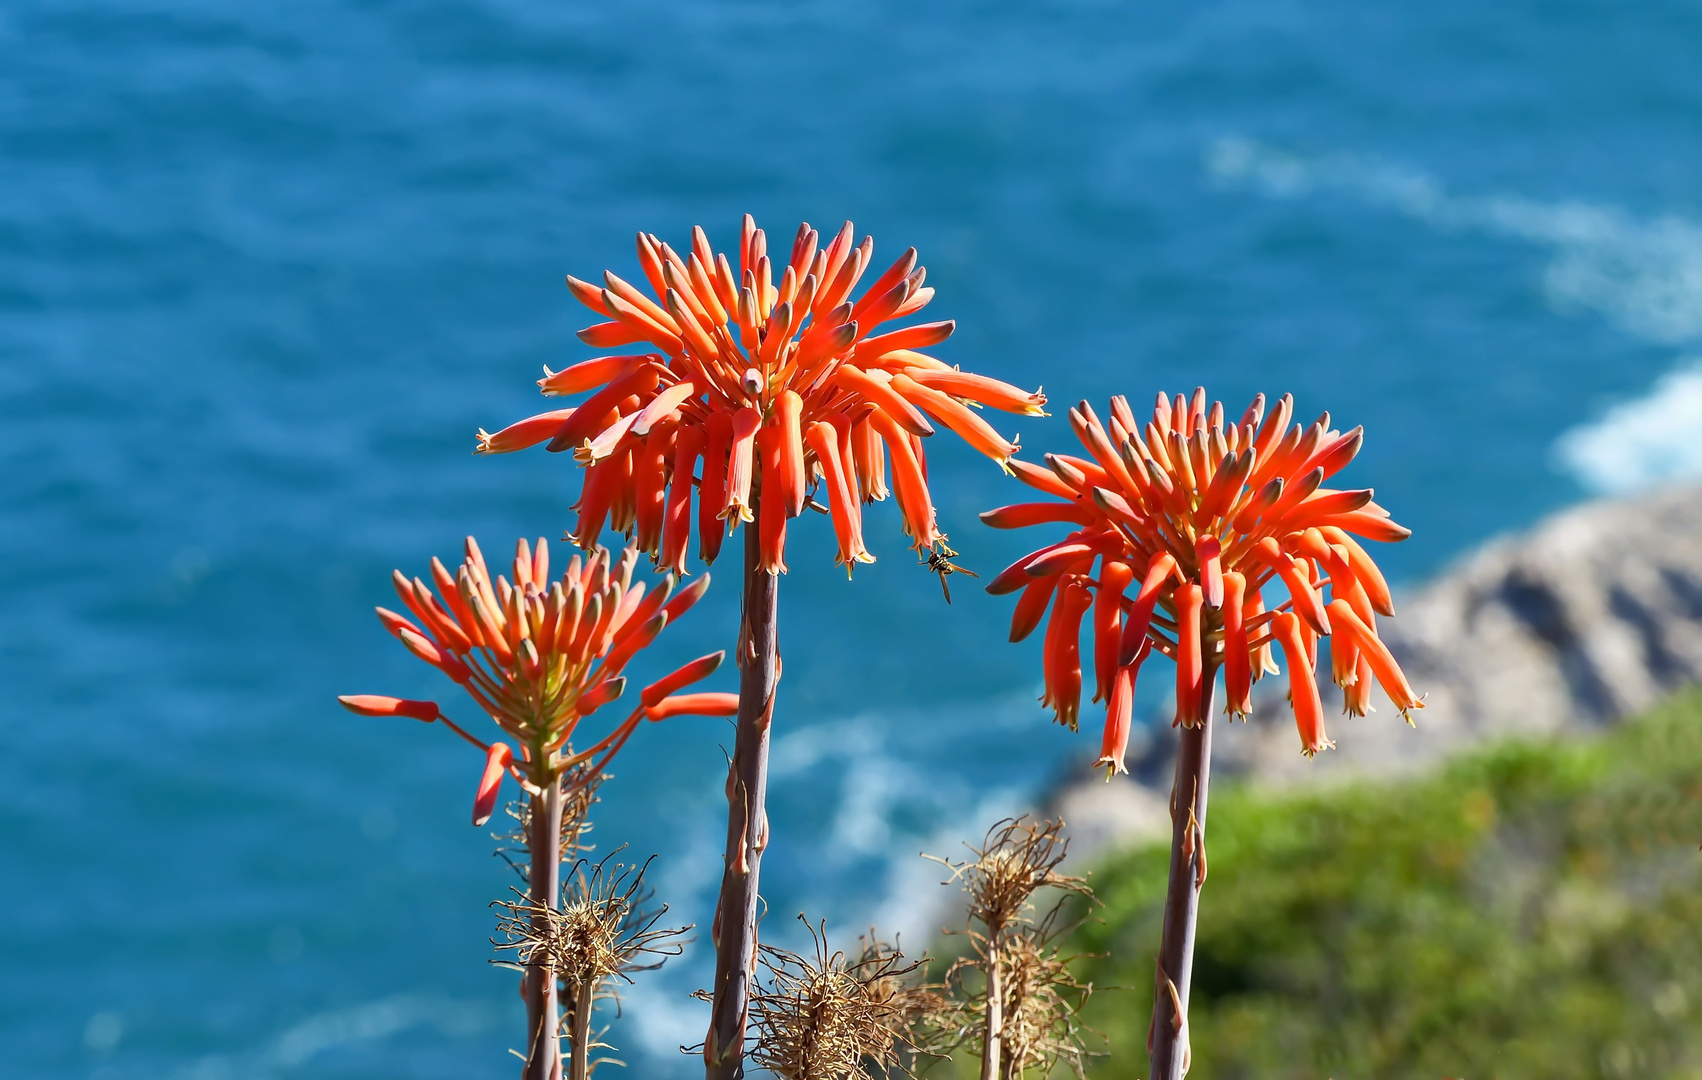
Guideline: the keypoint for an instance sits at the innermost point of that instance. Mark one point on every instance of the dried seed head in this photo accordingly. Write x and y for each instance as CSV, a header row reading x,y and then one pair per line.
x,y
829,1017
1017,858
1042,1002
604,928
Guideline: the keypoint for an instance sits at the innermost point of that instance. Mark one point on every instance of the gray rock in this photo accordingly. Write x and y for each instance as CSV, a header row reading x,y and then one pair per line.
x,y
1594,614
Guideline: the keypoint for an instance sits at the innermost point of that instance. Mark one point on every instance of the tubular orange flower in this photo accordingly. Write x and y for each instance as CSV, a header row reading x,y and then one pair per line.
x,y
536,655
1212,512
1202,514
776,346
771,381
539,656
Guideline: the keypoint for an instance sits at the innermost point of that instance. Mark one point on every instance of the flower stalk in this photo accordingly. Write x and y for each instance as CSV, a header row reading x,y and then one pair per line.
x,y
747,817
543,1053
1167,1041
768,375
1190,518
540,657
1022,1017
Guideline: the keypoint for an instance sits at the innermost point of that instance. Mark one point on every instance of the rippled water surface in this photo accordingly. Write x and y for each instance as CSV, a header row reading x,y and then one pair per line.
x,y
265,268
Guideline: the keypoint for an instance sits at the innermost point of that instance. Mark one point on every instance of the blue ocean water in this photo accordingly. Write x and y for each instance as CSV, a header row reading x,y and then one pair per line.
x,y
265,268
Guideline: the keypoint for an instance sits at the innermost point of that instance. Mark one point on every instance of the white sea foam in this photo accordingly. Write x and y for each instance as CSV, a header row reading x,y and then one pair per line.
x,y
1643,275
1642,443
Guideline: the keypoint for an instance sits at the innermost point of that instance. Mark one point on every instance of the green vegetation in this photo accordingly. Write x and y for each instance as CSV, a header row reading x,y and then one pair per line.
x,y
1531,911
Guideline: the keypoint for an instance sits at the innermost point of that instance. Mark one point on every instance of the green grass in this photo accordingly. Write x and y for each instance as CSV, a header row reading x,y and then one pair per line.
x,y
1530,911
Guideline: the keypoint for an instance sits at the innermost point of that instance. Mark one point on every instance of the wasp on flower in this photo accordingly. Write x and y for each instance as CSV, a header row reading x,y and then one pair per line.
x,y
771,378
770,391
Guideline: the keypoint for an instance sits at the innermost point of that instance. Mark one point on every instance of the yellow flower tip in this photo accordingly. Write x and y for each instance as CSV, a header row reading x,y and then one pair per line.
x,y
484,443
1113,766
1312,751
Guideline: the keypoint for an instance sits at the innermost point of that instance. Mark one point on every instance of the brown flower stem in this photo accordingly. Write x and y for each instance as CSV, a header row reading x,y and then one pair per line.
x,y
1182,899
543,843
995,1019
747,816
580,1032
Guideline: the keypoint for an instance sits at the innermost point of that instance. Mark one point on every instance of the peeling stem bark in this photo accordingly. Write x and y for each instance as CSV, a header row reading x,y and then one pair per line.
x,y
1168,1041
995,1018
543,887
734,929
580,1033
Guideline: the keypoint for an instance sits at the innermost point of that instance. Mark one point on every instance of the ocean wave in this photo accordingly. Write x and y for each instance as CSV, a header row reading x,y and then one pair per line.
x,y
1643,443
1643,275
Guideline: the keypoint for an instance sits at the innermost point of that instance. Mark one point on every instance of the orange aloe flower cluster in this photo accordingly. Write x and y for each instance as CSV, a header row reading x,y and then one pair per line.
x,y
771,376
1190,518
539,656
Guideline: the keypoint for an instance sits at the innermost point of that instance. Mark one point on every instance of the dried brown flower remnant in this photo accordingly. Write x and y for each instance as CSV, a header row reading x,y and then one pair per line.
x,y
1016,859
1042,1000
603,930
1023,1014
829,1017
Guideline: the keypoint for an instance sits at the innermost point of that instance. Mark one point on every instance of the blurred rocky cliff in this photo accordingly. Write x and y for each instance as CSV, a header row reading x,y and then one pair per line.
x,y
1594,614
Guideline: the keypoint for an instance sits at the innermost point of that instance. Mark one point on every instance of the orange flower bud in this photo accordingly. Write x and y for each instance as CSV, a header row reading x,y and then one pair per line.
x,y
600,695
878,392
582,376
1062,653
1022,515
1114,744
523,435
1302,687
1114,577
1237,661
1207,555
1139,621
1382,662
740,467
396,623
712,495
824,440
497,761
771,505
682,676
990,392
1190,664
694,705
1031,605
374,705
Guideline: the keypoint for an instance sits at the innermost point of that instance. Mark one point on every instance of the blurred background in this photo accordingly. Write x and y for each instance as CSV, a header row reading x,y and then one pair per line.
x,y
264,269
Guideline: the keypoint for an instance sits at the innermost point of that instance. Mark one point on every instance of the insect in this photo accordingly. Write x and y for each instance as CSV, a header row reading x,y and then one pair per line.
x,y
940,562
